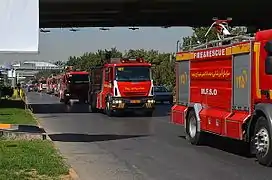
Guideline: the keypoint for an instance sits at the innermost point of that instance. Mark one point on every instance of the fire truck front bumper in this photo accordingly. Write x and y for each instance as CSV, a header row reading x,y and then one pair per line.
x,y
135,103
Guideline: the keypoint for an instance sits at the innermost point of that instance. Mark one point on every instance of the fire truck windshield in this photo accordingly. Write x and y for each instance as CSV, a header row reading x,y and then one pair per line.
x,y
133,73
78,79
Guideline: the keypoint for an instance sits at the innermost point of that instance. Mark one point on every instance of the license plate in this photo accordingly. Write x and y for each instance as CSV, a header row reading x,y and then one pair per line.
x,y
135,101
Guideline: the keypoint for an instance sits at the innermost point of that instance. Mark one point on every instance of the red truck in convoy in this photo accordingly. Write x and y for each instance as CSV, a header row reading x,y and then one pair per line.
x,y
224,87
42,85
74,84
122,84
51,84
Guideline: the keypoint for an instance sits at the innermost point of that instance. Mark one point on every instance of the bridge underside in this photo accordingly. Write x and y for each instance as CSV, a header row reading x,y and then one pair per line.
x,y
91,13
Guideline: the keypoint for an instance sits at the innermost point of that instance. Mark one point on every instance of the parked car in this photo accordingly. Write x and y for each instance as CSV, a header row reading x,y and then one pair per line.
x,y
162,94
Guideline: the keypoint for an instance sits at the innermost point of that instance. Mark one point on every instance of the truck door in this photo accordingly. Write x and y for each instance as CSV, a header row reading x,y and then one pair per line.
x,y
108,83
241,82
264,70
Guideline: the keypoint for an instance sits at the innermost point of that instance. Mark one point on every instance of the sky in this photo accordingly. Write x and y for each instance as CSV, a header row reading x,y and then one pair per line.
x,y
59,44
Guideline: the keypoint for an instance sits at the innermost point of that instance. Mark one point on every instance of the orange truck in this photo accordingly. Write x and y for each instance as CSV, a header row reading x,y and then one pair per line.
x,y
224,87
120,85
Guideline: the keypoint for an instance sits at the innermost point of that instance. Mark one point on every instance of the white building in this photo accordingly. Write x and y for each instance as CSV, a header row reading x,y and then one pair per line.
x,y
35,65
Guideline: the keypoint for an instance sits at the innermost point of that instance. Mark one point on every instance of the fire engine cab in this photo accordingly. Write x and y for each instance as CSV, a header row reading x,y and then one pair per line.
x,y
122,84
224,87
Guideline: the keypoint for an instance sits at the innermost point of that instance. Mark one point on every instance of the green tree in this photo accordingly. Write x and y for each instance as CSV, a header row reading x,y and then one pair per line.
x,y
59,63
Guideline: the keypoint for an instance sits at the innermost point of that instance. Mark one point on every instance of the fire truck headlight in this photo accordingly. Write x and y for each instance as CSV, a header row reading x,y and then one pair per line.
x,y
150,101
117,101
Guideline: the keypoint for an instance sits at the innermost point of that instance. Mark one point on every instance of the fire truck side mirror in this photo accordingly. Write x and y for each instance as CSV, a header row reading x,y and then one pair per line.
x,y
268,60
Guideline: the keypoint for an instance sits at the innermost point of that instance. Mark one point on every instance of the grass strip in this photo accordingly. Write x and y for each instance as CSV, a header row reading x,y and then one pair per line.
x,y
30,160
16,116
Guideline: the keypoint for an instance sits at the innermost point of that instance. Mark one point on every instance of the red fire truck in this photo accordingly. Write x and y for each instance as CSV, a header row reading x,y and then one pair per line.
x,y
122,84
58,84
42,85
51,84
224,87
74,84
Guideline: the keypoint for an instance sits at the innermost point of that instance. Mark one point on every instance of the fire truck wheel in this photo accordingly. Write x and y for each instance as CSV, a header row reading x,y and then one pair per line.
x,y
66,100
262,139
192,135
108,109
93,105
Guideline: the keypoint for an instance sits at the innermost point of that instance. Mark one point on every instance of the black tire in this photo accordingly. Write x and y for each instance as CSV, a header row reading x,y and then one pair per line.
x,y
93,104
194,138
108,109
262,128
66,99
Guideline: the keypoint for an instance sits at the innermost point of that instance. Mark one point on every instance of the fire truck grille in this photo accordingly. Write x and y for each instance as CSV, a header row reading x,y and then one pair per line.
x,y
135,93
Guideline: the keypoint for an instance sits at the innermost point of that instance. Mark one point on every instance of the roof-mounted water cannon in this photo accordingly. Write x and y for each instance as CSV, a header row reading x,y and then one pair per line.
x,y
221,27
222,30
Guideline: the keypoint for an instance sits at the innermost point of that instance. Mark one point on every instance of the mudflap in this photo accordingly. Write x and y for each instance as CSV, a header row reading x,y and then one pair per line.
x,y
178,114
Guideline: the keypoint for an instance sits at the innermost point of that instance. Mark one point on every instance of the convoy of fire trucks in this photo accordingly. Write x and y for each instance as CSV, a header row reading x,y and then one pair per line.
x,y
224,87
119,85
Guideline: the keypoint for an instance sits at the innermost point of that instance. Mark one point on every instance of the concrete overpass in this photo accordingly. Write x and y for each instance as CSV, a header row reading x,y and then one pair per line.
x,y
108,13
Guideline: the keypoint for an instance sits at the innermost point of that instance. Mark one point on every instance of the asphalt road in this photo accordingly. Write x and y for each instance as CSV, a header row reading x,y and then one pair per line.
x,y
138,148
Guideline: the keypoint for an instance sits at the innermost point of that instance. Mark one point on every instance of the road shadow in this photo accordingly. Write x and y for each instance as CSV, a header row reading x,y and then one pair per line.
x,y
7,103
228,145
70,137
59,108
161,110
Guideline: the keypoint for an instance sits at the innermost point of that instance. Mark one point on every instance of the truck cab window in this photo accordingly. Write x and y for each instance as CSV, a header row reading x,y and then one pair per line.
x,y
268,60
108,74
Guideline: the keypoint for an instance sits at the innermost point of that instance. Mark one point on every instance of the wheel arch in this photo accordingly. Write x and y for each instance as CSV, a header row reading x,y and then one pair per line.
x,y
261,109
196,107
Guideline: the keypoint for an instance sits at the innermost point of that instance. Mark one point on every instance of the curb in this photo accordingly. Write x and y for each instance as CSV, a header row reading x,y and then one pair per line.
x,y
72,173
21,135
9,127
12,130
